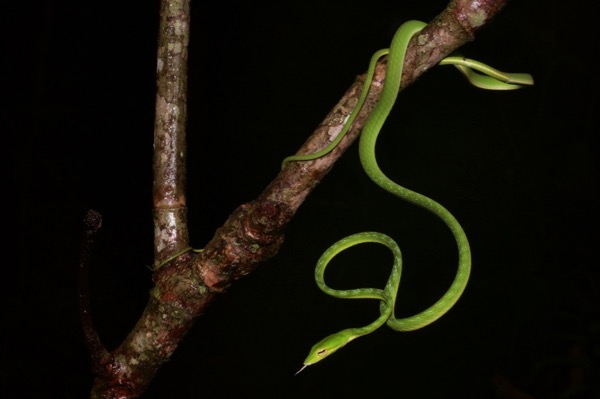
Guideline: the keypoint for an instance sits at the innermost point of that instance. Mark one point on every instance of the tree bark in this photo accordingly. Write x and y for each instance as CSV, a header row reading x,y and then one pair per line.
x,y
185,285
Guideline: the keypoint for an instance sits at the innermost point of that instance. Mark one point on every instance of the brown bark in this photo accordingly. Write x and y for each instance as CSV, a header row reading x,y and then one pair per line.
x,y
255,231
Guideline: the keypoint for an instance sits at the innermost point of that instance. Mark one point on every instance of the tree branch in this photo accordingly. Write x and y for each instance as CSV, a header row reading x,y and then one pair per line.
x,y
255,231
169,200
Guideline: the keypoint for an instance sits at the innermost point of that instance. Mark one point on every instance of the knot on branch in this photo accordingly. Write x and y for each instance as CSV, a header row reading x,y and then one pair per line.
x,y
92,221
253,234
265,221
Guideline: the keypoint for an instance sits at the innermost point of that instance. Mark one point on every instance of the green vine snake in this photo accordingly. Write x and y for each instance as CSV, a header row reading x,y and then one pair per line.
x,y
486,78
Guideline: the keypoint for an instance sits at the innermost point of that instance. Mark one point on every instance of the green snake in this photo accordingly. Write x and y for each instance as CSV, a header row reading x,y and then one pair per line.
x,y
488,78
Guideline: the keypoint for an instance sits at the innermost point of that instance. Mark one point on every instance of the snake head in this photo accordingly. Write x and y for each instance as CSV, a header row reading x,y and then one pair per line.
x,y
328,346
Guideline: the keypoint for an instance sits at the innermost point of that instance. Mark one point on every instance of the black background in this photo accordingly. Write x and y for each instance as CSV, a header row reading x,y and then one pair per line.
x,y
518,169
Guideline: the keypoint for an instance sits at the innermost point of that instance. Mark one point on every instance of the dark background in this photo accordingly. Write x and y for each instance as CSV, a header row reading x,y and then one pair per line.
x,y
518,169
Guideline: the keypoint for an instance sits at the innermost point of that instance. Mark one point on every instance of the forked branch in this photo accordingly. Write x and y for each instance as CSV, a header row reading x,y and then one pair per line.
x,y
255,231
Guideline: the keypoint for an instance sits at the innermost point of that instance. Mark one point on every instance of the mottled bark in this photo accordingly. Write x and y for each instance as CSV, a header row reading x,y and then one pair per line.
x,y
255,231
170,216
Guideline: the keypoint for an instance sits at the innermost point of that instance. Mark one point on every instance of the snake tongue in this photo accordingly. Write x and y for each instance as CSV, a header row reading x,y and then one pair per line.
x,y
303,367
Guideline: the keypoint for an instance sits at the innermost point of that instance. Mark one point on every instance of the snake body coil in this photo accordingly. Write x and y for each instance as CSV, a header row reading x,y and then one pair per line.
x,y
493,80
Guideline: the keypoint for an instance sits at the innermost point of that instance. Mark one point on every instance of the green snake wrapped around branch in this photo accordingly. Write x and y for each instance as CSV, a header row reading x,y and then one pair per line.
x,y
478,74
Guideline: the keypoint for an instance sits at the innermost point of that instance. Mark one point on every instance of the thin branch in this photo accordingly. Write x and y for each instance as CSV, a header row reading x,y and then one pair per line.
x,y
255,231
100,356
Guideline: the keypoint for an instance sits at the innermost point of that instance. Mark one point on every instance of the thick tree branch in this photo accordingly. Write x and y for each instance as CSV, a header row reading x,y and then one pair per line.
x,y
254,232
